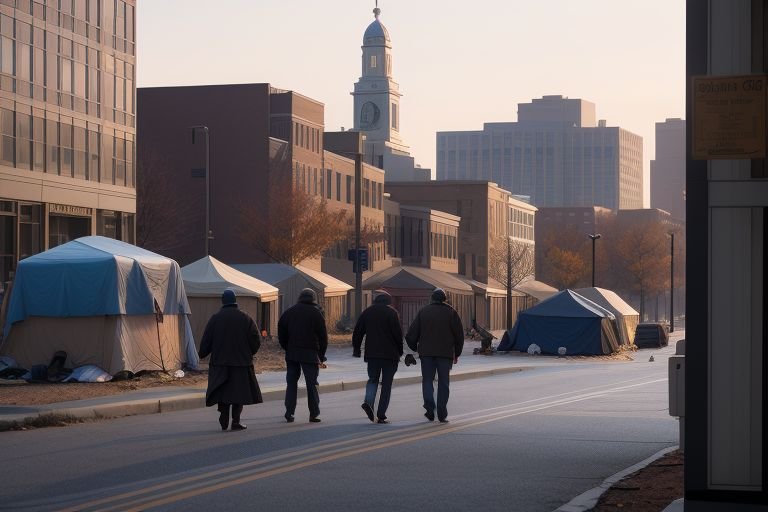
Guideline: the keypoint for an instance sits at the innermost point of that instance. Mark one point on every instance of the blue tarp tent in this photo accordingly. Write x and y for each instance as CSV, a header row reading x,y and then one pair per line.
x,y
104,302
568,320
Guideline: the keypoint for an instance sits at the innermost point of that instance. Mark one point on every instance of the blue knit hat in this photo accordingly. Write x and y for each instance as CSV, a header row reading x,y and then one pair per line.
x,y
228,297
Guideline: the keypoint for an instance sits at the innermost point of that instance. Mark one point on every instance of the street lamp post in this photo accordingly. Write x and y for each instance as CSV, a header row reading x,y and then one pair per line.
x,y
672,282
594,237
208,233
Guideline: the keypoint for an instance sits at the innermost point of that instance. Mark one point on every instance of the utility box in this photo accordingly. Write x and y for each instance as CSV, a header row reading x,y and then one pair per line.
x,y
677,386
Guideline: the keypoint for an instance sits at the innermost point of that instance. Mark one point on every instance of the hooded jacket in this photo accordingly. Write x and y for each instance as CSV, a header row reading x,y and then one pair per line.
x,y
436,331
302,333
380,324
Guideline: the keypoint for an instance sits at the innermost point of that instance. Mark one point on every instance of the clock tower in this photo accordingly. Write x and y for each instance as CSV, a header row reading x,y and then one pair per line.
x,y
377,97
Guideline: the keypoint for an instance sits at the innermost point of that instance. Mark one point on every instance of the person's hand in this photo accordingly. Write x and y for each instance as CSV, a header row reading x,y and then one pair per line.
x,y
456,360
356,353
322,365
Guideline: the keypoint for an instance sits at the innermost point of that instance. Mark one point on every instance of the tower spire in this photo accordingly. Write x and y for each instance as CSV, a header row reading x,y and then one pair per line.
x,y
376,10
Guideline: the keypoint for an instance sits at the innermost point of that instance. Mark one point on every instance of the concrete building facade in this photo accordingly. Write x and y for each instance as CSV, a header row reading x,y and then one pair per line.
x,y
260,136
67,124
668,168
555,153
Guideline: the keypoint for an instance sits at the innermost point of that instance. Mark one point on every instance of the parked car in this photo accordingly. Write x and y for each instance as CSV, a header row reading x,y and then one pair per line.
x,y
652,335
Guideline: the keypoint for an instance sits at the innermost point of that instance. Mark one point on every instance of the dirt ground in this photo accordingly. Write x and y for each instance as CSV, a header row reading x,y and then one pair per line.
x,y
649,490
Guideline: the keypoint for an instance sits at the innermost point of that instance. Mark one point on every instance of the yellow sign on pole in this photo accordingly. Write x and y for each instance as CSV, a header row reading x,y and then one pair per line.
x,y
729,117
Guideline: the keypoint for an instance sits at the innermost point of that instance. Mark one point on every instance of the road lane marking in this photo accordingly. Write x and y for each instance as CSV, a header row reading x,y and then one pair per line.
x,y
217,480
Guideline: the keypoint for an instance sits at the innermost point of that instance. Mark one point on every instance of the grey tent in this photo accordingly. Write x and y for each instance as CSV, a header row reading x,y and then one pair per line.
x,y
627,317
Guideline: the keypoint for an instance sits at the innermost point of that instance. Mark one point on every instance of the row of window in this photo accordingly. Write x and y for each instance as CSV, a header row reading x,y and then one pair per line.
x,y
22,230
323,183
307,137
66,149
87,18
38,64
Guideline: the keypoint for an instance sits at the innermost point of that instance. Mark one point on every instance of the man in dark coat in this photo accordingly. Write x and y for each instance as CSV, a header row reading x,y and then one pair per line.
x,y
302,334
438,336
231,338
380,324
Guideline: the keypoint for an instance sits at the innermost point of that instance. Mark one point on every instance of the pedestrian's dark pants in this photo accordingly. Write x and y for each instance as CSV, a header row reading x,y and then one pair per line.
x,y
384,369
237,409
311,371
441,365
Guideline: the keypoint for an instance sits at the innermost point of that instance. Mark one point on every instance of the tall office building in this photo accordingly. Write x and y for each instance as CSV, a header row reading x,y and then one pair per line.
x,y
377,108
668,168
556,153
67,124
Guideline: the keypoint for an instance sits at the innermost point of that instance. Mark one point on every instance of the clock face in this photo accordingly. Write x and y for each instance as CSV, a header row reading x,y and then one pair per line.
x,y
369,116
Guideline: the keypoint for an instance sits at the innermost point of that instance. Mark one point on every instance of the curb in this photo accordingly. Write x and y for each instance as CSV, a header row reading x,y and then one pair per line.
x,y
587,501
196,400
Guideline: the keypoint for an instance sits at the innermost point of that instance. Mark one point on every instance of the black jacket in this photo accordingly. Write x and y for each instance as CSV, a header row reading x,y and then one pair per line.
x,y
231,337
302,334
436,331
380,324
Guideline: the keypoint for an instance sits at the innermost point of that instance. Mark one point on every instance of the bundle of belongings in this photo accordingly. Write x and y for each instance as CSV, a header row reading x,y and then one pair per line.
x,y
56,371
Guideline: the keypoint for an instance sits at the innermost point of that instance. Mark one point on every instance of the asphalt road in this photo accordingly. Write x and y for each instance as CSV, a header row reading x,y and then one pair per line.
x,y
528,441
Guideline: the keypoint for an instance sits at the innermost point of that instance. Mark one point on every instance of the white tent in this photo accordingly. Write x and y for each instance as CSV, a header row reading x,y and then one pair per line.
x,y
207,278
331,292
627,317
104,302
536,289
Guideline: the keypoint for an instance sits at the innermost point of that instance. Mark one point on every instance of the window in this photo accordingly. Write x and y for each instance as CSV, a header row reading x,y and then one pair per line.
x,y
328,174
23,141
349,189
7,144
338,186
7,52
80,153
373,61
94,148
394,116
65,138
52,146
38,144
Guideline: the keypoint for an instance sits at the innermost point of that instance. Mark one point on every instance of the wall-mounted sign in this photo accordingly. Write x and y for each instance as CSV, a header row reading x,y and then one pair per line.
x,y
729,116
65,209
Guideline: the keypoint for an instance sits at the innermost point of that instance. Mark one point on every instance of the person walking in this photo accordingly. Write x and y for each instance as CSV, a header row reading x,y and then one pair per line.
x,y
302,334
438,336
231,338
380,325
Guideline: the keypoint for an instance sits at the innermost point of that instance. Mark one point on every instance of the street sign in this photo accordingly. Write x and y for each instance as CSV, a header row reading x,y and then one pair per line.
x,y
358,256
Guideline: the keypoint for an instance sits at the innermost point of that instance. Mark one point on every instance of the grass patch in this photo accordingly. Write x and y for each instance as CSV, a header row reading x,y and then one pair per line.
x,y
43,421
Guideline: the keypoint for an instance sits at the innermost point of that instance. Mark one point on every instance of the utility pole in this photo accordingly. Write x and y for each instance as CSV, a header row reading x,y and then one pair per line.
x,y
208,233
672,282
509,283
594,237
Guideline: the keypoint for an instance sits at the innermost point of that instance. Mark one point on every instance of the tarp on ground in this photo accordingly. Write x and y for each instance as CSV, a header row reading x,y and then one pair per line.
x,y
207,278
104,302
627,317
564,320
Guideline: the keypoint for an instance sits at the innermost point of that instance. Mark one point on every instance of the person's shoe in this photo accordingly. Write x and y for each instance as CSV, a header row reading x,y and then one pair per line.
x,y
443,420
238,426
314,419
289,418
223,421
430,415
382,420
368,410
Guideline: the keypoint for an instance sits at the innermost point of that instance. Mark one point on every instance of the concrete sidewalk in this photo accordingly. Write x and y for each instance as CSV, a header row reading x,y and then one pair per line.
x,y
344,372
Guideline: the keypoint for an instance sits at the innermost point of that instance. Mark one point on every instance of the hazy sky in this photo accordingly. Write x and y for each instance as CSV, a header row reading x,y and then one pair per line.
x,y
458,64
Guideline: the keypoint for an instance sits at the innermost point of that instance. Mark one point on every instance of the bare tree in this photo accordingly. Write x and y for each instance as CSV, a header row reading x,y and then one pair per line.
x,y
153,193
510,258
296,225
